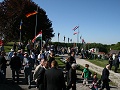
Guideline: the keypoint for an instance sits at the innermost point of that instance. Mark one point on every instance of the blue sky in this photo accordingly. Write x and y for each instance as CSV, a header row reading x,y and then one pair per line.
x,y
98,20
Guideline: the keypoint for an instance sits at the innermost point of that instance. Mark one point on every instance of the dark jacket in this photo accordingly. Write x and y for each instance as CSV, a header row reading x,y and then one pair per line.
x,y
3,61
72,76
40,78
54,79
116,62
72,60
15,63
105,74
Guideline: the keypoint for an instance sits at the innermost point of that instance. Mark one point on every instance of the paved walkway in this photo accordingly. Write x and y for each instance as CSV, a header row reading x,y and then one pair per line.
x,y
22,86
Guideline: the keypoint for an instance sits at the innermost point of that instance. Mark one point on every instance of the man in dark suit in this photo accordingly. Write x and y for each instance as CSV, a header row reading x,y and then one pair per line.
x,y
105,78
54,78
72,77
40,78
15,64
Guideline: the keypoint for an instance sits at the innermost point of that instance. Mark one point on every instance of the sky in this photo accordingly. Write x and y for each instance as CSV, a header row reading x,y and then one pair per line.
x,y
98,20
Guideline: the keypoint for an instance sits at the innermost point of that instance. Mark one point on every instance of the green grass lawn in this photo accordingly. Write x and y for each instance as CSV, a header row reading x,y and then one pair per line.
x,y
102,63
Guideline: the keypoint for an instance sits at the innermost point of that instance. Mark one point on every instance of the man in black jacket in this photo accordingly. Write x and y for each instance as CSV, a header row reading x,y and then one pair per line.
x,y
40,78
54,78
15,64
105,78
72,77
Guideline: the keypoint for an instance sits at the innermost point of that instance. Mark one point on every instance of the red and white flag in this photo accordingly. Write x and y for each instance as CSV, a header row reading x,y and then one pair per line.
x,y
75,33
38,37
75,28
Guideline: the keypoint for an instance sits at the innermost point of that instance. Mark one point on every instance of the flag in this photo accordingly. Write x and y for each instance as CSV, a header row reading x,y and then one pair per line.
x,y
75,33
64,38
83,41
58,35
81,37
31,13
38,37
20,25
75,28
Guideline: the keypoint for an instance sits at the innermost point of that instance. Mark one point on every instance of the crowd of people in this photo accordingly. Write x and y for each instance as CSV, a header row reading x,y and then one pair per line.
x,y
47,75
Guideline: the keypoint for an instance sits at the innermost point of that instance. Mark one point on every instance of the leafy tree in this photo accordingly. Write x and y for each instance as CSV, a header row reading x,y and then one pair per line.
x,y
13,11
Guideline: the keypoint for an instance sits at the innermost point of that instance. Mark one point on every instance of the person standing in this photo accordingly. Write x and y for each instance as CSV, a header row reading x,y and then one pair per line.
x,y
51,58
40,78
27,63
3,65
86,74
54,78
15,64
105,78
110,61
72,58
116,63
72,77
14,46
37,70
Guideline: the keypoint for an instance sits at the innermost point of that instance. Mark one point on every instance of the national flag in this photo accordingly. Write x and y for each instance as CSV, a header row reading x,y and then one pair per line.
x,y
75,33
21,25
83,41
64,38
58,35
31,13
38,37
81,37
75,28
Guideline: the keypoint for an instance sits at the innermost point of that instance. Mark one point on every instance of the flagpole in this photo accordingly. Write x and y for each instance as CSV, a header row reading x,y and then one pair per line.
x,y
36,22
20,29
41,41
77,36
20,35
36,25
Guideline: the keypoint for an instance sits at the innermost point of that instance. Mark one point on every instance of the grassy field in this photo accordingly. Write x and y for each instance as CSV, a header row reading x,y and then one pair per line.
x,y
102,63
8,46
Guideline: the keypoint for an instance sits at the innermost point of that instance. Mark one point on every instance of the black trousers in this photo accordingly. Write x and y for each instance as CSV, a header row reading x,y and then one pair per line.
x,y
13,74
105,85
70,86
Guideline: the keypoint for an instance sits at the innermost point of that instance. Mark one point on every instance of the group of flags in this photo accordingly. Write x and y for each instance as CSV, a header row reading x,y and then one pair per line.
x,y
39,36
27,15
75,28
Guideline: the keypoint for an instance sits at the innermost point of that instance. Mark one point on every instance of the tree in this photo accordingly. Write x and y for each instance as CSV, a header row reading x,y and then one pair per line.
x,y
13,11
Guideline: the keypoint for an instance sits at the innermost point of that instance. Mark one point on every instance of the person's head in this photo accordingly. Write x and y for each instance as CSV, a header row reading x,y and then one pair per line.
x,y
51,54
2,53
26,54
68,59
72,53
95,75
45,64
42,62
74,66
15,54
86,65
19,51
108,66
54,63
12,50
